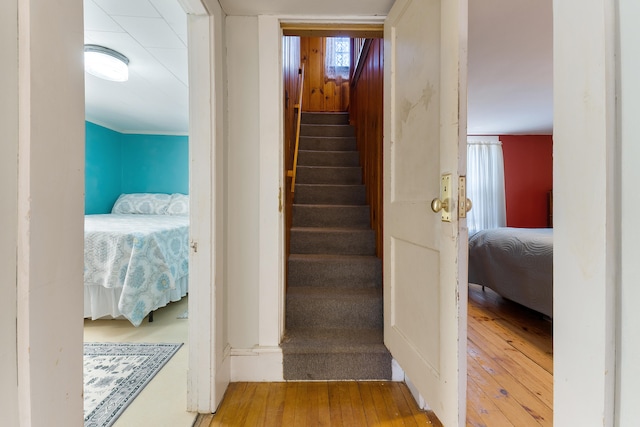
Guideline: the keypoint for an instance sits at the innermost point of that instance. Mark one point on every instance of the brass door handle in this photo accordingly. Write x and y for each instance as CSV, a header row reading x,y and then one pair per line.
x,y
437,205
467,205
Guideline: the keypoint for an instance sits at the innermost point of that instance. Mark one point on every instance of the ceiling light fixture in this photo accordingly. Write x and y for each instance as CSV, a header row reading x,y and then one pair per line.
x,y
106,63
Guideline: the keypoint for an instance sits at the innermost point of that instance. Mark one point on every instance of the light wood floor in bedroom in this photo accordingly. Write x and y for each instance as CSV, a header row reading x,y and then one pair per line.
x,y
163,402
510,382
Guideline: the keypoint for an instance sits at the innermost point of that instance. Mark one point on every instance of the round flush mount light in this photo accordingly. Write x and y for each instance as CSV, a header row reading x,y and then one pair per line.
x,y
106,63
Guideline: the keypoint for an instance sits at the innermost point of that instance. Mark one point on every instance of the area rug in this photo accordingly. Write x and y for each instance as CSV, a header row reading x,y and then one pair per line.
x,y
114,374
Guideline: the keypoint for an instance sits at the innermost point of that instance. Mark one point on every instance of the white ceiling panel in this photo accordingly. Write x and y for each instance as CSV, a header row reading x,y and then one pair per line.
x,y
173,13
175,60
97,19
151,32
141,8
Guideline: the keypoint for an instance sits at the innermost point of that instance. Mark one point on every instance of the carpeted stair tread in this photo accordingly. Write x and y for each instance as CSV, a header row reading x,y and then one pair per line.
x,y
305,341
330,292
319,240
330,194
328,158
326,130
322,143
353,216
325,118
334,270
329,175
333,308
364,365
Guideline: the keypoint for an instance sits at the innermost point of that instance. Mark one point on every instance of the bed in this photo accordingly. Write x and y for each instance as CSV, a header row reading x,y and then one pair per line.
x,y
136,259
517,263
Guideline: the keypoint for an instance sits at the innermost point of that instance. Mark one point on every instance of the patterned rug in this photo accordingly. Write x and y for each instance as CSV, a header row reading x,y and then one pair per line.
x,y
114,374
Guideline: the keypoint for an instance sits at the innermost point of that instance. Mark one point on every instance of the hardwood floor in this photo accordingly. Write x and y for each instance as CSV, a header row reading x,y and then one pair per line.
x,y
510,363
336,403
510,382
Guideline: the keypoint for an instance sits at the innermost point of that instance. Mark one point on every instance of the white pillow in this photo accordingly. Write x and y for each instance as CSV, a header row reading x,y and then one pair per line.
x,y
179,204
142,203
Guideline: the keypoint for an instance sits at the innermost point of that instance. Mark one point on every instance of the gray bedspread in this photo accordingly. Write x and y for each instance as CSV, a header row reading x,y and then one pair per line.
x,y
517,263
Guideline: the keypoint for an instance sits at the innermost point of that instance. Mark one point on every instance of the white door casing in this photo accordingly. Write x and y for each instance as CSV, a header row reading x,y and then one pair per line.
x,y
209,361
425,259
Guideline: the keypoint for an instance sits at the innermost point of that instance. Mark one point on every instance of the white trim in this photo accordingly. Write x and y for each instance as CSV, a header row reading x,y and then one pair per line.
x,y
585,216
271,235
209,361
271,261
397,373
257,364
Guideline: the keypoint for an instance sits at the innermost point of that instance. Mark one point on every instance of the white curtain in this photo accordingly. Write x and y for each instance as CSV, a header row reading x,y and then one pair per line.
x,y
485,185
337,57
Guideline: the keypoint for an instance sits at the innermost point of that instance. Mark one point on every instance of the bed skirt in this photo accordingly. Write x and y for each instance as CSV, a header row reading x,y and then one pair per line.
x,y
101,302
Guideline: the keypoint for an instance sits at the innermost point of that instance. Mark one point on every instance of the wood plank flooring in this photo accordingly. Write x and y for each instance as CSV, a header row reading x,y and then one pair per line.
x,y
334,403
509,373
509,363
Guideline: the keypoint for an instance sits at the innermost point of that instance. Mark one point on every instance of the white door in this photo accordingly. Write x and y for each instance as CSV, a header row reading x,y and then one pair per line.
x,y
425,259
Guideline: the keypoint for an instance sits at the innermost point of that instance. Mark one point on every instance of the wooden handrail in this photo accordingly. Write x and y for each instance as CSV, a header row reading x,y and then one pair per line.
x,y
292,172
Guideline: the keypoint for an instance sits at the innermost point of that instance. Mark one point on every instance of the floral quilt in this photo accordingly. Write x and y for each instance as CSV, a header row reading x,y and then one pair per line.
x,y
142,254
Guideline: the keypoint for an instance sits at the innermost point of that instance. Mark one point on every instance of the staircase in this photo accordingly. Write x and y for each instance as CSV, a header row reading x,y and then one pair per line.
x,y
334,327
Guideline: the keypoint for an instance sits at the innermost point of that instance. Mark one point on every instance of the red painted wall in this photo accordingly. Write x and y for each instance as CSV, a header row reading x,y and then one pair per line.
x,y
528,176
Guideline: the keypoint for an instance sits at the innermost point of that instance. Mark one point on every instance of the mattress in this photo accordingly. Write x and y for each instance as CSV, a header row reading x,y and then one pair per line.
x,y
517,263
143,258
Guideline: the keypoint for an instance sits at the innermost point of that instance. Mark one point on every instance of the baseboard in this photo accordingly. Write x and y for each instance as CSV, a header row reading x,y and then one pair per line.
x,y
397,373
422,404
256,364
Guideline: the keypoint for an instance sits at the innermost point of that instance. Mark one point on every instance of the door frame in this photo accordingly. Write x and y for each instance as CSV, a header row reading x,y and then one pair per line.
x,y
271,302
209,355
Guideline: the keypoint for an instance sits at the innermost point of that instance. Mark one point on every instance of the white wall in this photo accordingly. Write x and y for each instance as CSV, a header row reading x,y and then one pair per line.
x,y
628,348
8,210
585,243
243,180
50,209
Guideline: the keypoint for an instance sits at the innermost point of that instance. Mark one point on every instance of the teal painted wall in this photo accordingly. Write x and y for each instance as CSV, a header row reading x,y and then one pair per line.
x,y
155,164
103,165
131,163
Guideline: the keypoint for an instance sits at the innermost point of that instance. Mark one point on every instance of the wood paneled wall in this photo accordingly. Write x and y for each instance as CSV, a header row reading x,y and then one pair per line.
x,y
366,114
320,92
291,67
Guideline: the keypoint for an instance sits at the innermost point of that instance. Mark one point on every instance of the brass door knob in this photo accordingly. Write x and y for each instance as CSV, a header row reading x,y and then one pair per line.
x,y
468,205
437,205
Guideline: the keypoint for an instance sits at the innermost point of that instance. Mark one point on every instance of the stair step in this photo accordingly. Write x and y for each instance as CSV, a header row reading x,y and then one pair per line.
x,y
328,158
329,175
316,307
339,241
328,194
334,270
365,365
331,216
321,143
325,118
335,354
307,340
327,130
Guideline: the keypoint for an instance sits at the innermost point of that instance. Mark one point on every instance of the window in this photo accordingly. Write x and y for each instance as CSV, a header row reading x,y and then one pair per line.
x,y
337,59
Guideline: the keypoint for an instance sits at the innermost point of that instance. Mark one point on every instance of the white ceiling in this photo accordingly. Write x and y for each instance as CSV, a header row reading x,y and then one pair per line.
x,y
153,35
510,60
